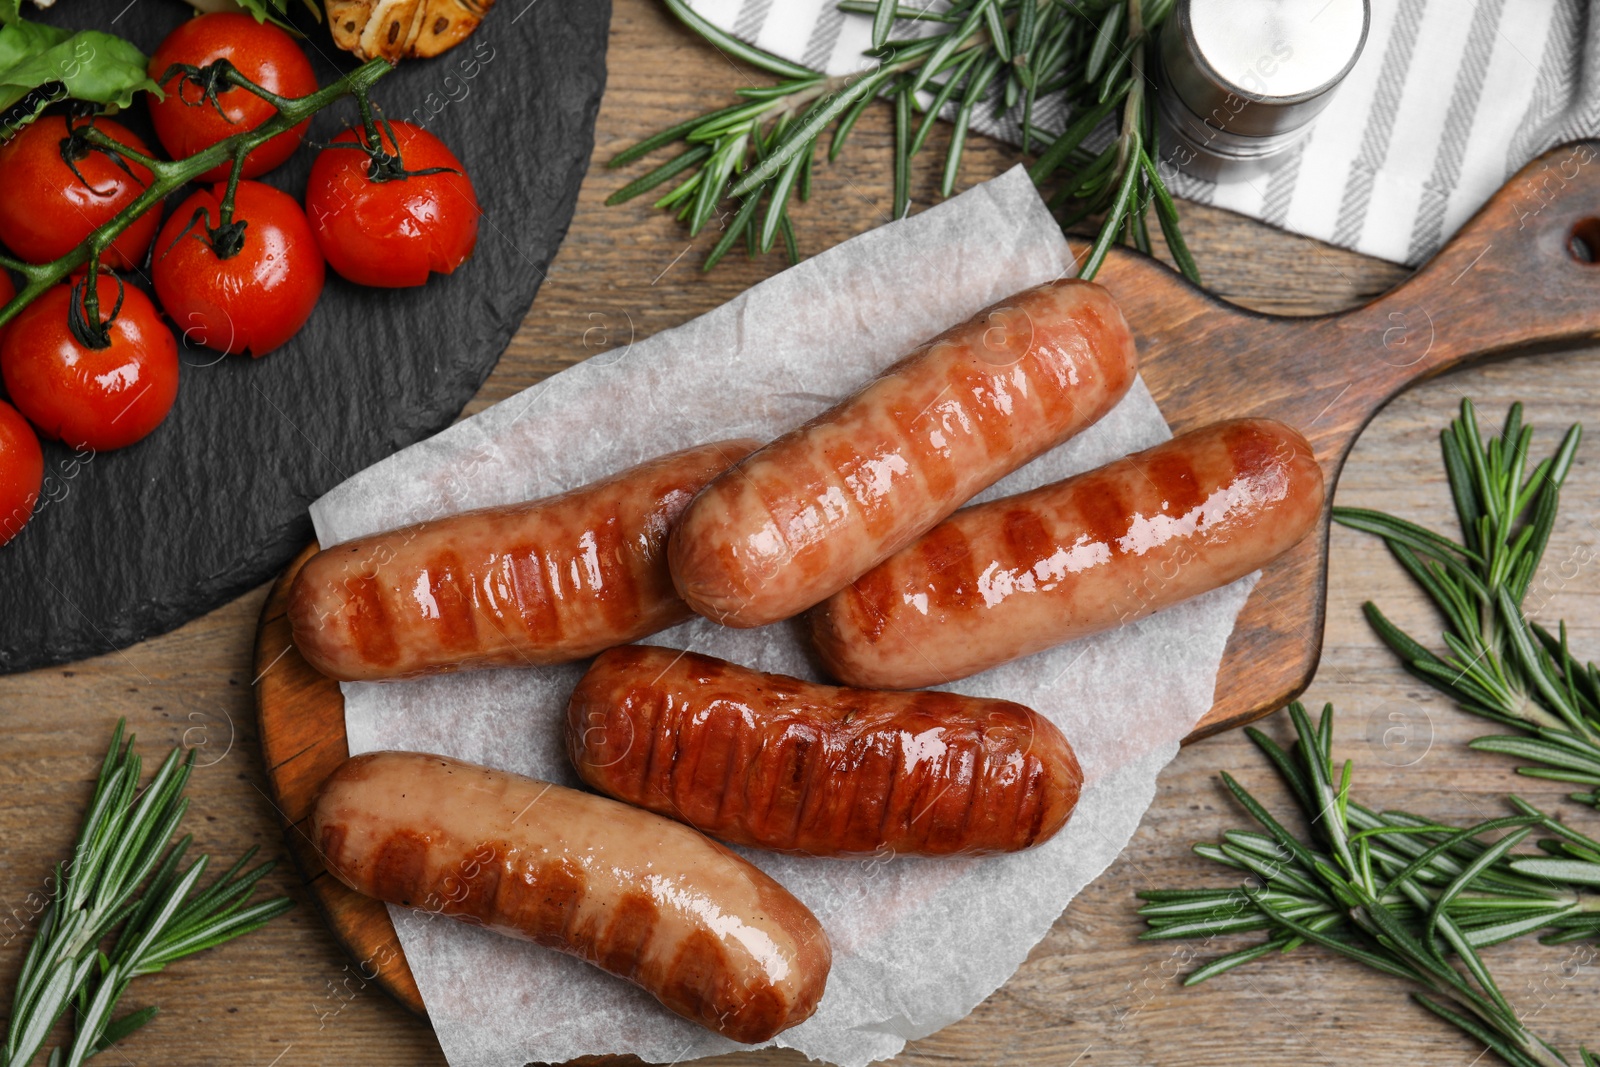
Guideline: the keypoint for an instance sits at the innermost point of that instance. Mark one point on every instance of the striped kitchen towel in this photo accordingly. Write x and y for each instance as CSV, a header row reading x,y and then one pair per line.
x,y
1449,98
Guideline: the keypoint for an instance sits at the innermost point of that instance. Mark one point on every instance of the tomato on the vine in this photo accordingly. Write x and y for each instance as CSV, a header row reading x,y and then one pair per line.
x,y
245,287
21,471
59,188
99,398
388,220
193,117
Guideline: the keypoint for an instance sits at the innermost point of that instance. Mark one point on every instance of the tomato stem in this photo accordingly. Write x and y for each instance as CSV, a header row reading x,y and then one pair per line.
x,y
227,237
167,176
83,312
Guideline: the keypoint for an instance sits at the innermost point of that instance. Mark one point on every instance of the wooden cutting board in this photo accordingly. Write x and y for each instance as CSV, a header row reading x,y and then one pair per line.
x,y
1521,276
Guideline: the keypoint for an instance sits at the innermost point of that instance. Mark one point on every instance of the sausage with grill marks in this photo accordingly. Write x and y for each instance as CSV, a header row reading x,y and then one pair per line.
x,y
801,518
645,898
776,762
1011,577
525,584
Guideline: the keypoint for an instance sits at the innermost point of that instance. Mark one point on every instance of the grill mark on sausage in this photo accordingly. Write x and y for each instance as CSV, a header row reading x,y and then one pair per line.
x,y
868,477
931,450
399,871
545,897
735,779
1173,478
1252,451
371,628
693,981
455,627
531,593
331,843
870,600
1102,510
657,734
980,392
945,557
621,947
618,593
1027,539
481,875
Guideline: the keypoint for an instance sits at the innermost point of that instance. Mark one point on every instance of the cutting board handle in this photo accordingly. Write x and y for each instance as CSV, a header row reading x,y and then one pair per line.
x,y
1523,273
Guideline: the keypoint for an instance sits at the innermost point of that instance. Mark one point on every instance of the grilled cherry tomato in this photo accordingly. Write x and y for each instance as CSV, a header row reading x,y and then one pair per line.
x,y
245,287
193,117
55,189
99,398
21,471
385,221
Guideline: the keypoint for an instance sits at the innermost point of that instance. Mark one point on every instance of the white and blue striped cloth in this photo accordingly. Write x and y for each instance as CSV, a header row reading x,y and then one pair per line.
x,y
1448,100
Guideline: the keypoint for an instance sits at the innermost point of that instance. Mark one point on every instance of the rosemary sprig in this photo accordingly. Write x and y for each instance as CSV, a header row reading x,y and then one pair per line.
x,y
1401,894
1005,55
123,844
1497,663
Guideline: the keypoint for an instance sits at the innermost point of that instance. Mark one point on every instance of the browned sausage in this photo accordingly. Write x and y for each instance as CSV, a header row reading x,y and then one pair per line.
x,y
543,581
775,762
801,518
1015,576
645,898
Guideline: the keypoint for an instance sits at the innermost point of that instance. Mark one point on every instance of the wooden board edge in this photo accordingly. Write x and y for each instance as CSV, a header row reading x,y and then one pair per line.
x,y
293,701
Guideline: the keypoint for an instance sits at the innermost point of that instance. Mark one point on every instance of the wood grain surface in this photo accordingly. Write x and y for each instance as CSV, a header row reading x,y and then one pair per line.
x,y
1090,993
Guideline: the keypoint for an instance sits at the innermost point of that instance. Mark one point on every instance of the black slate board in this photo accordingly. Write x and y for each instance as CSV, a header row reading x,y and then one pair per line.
x,y
133,543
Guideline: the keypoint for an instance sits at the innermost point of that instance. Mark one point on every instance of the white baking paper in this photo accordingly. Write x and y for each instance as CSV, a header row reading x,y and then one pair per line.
x,y
917,943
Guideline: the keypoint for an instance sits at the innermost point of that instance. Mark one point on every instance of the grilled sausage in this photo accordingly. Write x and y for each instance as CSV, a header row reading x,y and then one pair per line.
x,y
645,898
803,517
1014,576
539,582
775,762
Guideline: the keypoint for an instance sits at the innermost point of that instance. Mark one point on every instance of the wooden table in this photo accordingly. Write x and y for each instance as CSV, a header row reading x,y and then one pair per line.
x,y
1090,993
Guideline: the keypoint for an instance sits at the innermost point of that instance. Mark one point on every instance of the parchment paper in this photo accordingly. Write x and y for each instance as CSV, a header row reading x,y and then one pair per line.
x,y
918,943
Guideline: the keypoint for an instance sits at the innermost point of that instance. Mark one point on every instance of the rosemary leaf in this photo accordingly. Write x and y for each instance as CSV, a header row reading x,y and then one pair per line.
x,y
1502,667
125,872
1419,911
1008,53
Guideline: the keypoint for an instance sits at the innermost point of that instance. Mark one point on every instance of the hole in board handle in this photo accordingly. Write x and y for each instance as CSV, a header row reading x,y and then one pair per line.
x,y
1584,243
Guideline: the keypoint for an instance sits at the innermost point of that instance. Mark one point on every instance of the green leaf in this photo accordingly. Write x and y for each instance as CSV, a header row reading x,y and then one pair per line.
x,y
1548,752
1484,936
667,170
277,12
735,47
1114,214
882,22
120,1029
736,228
800,137
89,65
1572,871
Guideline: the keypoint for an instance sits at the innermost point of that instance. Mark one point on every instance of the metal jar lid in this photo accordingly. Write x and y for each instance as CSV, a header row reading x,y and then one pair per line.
x,y
1258,68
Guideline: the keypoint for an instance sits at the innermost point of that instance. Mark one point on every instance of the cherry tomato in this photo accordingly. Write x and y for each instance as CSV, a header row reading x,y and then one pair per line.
x,y
187,122
391,233
21,471
46,210
254,300
91,398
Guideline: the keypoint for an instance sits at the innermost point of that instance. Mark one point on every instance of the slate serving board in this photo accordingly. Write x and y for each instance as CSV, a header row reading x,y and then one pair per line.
x,y
132,543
